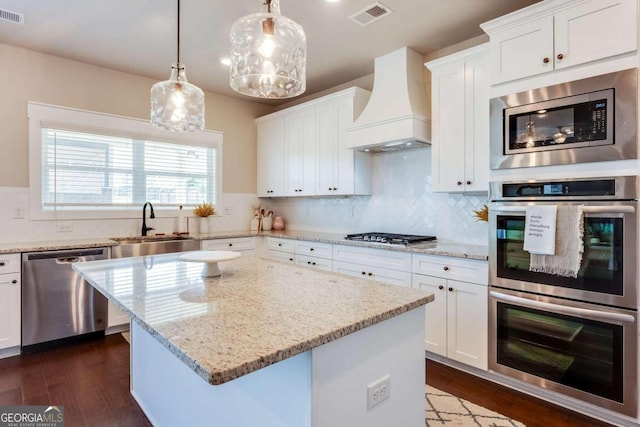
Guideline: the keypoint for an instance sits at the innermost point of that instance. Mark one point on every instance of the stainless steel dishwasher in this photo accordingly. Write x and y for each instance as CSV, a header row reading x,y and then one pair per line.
x,y
56,302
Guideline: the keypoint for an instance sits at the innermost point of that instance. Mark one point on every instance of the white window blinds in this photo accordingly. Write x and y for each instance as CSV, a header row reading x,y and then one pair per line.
x,y
87,171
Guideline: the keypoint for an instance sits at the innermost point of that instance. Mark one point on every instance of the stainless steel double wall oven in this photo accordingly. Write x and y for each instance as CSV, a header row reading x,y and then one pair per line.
x,y
577,336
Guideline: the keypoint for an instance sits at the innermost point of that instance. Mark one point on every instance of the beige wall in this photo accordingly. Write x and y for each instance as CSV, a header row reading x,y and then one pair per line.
x,y
33,76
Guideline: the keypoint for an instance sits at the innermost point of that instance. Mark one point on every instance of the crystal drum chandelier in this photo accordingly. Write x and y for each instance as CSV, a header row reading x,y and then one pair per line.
x,y
176,104
268,54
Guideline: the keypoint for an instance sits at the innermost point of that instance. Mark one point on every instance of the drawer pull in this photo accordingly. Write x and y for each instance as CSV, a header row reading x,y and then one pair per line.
x,y
468,182
279,244
14,281
1,263
290,259
311,249
560,56
441,287
309,262
450,289
364,273
313,263
545,60
459,182
370,274
446,268
230,244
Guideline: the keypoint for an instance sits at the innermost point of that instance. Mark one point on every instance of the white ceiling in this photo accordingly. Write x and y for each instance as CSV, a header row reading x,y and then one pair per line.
x,y
139,36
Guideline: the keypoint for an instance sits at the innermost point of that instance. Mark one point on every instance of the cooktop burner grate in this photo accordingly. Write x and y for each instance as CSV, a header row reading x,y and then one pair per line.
x,y
390,238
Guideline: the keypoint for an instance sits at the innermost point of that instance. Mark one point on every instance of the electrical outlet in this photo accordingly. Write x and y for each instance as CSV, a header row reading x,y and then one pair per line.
x,y
64,227
227,211
18,212
378,391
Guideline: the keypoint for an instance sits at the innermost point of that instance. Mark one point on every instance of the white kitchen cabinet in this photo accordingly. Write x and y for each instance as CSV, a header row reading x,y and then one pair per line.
x,y
558,34
456,322
246,245
302,150
314,262
314,249
300,153
271,152
460,121
10,303
341,170
281,249
382,265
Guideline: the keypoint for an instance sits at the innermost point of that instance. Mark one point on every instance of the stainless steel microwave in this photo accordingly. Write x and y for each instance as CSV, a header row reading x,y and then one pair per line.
x,y
588,120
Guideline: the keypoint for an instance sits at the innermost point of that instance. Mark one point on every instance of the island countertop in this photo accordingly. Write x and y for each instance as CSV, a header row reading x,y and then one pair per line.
x,y
257,313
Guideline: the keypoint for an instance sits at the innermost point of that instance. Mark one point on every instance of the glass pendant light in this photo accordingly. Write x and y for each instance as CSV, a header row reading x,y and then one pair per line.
x,y
176,104
268,54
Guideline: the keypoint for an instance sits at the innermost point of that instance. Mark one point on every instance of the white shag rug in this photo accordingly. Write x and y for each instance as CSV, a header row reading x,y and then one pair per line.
x,y
444,409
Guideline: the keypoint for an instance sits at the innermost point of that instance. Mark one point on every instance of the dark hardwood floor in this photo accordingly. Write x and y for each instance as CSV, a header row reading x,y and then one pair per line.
x,y
518,406
91,380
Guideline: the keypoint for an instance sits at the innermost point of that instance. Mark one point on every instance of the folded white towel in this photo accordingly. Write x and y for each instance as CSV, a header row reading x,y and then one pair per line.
x,y
569,245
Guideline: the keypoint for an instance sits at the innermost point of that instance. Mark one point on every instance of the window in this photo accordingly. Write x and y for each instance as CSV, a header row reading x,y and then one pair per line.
x,y
91,165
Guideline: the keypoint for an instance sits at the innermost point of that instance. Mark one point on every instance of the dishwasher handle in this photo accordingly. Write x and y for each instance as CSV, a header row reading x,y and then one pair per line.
x,y
67,260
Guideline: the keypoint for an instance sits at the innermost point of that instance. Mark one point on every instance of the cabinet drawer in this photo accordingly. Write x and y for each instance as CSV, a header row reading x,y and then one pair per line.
x,y
235,244
319,250
281,256
283,245
9,263
314,262
466,270
379,258
384,275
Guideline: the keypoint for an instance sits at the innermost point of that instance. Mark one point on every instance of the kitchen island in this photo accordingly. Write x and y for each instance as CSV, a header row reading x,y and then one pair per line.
x,y
267,343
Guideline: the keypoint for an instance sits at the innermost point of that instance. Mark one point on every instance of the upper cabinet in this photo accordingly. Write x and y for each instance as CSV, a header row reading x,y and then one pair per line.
x,y
302,150
460,121
557,34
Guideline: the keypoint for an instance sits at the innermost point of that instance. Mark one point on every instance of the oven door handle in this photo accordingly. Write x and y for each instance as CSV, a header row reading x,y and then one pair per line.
x,y
585,209
563,309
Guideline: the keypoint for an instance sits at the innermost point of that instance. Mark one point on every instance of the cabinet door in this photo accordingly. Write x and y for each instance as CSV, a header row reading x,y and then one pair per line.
x,y
327,120
350,269
392,277
314,262
281,256
345,157
300,153
476,149
10,310
595,30
523,50
447,127
467,323
435,337
271,169
314,249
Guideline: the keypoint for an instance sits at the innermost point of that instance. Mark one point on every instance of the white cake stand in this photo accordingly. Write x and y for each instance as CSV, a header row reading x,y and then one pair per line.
x,y
210,260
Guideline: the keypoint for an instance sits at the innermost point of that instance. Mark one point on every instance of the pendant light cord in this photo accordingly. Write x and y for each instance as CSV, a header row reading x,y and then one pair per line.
x,y
178,33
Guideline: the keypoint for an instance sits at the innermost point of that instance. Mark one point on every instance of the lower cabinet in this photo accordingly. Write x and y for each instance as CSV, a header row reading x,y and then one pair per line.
x,y
117,318
393,267
10,287
281,249
456,324
237,244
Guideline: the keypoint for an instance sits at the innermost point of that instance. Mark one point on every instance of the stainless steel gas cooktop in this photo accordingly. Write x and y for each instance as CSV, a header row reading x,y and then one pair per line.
x,y
389,238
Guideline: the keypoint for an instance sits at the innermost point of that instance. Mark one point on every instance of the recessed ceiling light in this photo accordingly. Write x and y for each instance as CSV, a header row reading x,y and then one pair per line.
x,y
225,60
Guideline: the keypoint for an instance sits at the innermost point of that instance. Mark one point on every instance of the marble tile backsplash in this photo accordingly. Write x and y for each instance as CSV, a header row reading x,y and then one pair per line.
x,y
236,217
401,202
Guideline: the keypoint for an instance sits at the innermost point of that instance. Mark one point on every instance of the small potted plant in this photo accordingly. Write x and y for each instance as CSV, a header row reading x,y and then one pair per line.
x,y
203,211
482,214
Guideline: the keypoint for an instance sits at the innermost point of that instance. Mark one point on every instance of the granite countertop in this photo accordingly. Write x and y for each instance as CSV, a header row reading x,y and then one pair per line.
x,y
257,313
54,245
452,249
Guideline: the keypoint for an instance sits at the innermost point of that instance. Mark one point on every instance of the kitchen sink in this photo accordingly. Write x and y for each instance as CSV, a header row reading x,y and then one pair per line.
x,y
152,245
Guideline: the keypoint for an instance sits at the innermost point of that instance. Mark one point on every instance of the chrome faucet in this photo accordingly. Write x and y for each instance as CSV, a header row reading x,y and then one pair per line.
x,y
144,215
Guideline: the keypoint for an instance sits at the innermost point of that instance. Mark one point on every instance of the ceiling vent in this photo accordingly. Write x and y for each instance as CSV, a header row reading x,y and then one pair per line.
x,y
7,15
370,14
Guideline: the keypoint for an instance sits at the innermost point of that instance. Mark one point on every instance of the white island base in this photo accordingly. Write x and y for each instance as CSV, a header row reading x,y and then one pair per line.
x,y
323,387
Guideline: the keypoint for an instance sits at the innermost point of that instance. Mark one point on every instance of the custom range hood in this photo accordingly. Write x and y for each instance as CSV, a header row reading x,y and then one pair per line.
x,y
395,116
